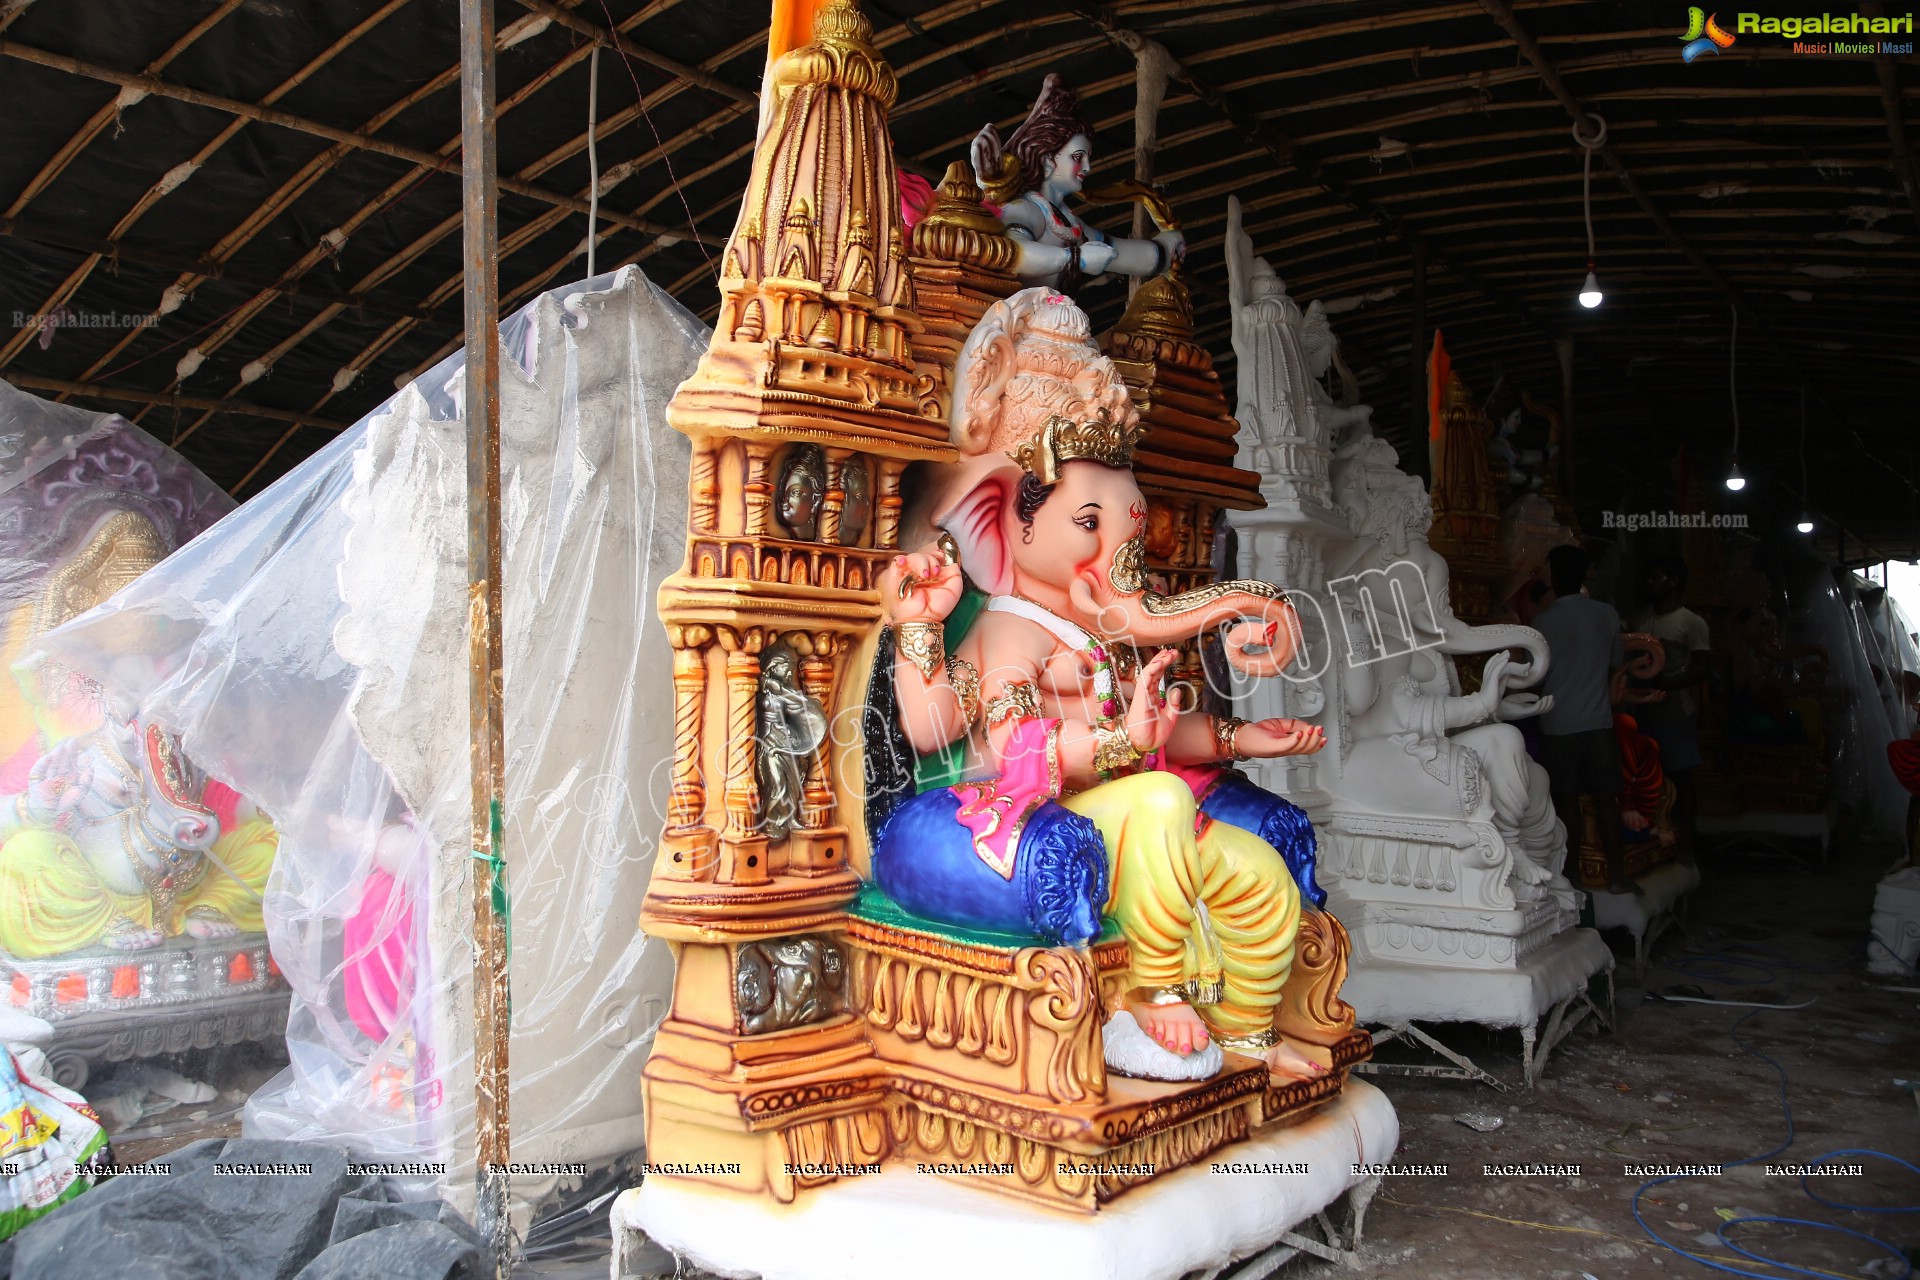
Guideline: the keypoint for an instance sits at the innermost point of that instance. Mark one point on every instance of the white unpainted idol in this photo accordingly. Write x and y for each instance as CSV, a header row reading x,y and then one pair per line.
x,y
899,1223
1438,845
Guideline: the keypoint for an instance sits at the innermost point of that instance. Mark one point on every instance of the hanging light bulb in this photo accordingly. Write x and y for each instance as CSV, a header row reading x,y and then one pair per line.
x,y
1590,295
1805,525
1735,481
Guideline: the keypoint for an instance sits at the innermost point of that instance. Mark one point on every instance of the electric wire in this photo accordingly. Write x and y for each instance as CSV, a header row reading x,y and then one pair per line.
x,y
1683,964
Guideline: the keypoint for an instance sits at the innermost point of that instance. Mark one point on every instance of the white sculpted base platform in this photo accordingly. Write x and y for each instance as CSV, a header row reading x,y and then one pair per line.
x,y
899,1223
1396,994
1661,889
1647,914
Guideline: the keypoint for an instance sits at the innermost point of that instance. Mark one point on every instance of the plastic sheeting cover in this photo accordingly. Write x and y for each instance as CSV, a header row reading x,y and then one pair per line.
x,y
1827,612
313,652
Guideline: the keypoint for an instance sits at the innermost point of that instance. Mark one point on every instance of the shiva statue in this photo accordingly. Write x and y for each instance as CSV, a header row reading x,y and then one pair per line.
x,y
1085,789
1043,162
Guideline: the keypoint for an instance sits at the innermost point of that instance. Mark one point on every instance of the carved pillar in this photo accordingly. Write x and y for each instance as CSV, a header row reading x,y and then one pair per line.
x,y
886,507
743,846
819,846
759,489
836,497
703,512
689,841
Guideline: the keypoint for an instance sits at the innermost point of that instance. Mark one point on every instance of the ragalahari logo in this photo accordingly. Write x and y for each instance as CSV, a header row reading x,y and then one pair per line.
x,y
1704,35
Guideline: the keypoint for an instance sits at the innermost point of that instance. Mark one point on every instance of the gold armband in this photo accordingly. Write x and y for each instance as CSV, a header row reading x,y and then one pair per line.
x,y
1113,750
1225,730
1018,700
924,644
965,679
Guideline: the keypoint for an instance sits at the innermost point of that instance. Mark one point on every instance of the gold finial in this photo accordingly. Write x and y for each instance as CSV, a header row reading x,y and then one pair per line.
x,y
1161,308
1061,440
841,22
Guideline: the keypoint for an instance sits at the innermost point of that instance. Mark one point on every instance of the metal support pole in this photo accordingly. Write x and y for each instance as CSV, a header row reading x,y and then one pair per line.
x,y
491,991
1417,460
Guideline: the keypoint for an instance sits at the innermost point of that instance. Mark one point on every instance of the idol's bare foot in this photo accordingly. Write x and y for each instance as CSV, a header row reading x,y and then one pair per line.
x,y
1174,1027
1284,1063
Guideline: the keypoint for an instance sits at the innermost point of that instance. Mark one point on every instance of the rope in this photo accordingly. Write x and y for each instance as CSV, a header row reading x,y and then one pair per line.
x,y
666,157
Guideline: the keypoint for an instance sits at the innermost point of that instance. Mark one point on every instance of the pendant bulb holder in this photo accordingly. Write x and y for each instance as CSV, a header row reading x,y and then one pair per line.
x,y
1805,525
1735,481
1590,295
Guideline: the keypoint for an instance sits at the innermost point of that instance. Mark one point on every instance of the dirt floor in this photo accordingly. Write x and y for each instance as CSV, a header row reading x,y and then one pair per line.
x,y
1670,1086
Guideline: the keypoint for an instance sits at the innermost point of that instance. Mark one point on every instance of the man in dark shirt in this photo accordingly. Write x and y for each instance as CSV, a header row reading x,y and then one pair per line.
x,y
1579,751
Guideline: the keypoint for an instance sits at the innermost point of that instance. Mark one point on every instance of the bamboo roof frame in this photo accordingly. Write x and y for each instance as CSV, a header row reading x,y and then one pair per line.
x,y
1294,106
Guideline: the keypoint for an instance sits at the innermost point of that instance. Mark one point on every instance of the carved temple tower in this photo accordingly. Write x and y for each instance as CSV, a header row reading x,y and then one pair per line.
x,y
1185,461
1466,509
803,414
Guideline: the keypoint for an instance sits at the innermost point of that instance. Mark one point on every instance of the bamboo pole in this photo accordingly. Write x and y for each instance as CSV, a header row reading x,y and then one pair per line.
x,y
164,399
491,985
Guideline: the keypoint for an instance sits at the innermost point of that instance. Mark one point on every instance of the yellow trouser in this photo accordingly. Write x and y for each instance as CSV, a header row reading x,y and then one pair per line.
x,y
52,903
1222,906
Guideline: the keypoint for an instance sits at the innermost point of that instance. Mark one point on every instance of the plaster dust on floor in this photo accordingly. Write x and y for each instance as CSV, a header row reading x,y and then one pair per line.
x,y
1670,1087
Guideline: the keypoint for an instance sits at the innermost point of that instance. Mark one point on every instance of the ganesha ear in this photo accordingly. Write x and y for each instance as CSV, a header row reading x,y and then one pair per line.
x,y
978,525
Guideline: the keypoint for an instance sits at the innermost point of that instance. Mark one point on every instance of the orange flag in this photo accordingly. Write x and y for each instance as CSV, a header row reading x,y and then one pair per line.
x,y
792,26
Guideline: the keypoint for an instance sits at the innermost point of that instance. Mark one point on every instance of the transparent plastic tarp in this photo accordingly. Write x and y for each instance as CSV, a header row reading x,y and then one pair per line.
x,y
1826,610
312,652
130,925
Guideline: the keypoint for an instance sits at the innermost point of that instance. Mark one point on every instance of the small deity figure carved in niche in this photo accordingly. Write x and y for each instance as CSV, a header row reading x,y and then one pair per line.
x,y
802,490
856,503
789,983
792,725
1043,162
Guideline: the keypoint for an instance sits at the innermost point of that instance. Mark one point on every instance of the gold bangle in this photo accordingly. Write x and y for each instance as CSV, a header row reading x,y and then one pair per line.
x,y
1225,730
1018,700
924,644
965,679
1113,750
1162,995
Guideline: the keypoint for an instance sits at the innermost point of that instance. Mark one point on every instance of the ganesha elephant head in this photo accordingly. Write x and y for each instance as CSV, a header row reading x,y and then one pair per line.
x,y
1389,514
1045,505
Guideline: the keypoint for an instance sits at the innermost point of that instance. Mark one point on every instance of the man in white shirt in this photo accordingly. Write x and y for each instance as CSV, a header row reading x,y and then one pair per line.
x,y
1674,723
1577,743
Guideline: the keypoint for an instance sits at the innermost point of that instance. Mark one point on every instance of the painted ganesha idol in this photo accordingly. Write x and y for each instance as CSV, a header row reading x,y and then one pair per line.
x,y
1062,790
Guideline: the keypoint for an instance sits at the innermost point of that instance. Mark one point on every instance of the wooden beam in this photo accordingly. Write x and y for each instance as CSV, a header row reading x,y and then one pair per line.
x,y
1287,154
640,53
34,382
159,88
1502,12
205,268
